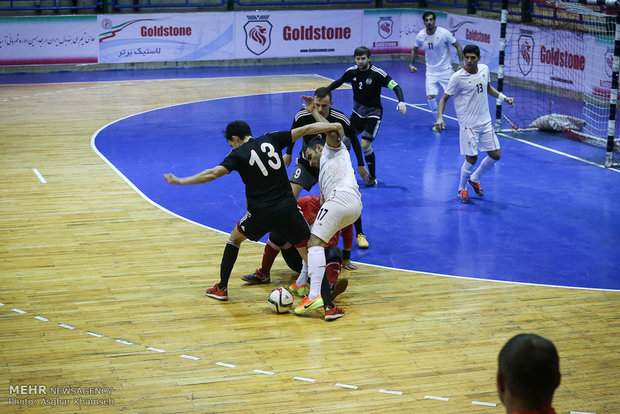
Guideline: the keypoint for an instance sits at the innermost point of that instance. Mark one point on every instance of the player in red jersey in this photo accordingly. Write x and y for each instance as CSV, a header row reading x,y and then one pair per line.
x,y
335,259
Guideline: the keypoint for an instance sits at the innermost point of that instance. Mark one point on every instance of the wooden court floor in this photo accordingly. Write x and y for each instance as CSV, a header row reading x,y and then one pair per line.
x,y
97,282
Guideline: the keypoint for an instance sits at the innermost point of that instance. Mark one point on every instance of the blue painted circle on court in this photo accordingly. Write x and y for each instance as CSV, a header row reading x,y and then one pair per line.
x,y
528,228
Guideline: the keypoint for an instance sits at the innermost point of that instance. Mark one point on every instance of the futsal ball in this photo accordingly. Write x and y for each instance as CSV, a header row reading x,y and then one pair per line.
x,y
280,300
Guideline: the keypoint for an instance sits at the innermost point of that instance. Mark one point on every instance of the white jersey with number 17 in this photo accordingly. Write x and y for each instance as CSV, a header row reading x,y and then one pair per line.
x,y
470,96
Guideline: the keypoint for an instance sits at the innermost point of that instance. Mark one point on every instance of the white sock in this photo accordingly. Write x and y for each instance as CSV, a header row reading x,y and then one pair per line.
x,y
302,279
465,174
432,105
316,270
486,164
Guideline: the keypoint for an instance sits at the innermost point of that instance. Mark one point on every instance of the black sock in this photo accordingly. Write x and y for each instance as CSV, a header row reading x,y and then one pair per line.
x,y
326,293
370,162
228,261
358,226
292,258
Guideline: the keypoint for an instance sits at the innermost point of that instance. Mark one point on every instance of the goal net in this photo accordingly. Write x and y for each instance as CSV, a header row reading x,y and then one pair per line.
x,y
560,73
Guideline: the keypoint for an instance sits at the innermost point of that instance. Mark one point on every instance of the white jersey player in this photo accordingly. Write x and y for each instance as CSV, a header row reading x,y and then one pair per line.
x,y
436,43
470,86
341,206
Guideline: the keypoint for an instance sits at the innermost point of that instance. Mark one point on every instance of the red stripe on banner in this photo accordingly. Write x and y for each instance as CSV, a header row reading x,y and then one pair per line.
x,y
390,51
48,61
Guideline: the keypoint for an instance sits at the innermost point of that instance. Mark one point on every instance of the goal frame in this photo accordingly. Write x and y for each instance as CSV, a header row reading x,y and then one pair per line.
x,y
613,96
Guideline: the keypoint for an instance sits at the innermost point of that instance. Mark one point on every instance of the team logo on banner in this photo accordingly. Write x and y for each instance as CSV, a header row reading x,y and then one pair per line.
x,y
526,54
609,62
385,26
258,34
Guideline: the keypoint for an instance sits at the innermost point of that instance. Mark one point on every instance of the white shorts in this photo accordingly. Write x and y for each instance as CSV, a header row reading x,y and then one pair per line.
x,y
436,79
340,209
479,138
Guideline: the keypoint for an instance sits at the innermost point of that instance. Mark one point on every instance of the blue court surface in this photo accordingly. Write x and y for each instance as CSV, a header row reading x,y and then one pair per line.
x,y
548,215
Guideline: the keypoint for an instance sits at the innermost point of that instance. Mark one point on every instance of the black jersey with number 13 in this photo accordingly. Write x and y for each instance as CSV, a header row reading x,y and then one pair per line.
x,y
259,162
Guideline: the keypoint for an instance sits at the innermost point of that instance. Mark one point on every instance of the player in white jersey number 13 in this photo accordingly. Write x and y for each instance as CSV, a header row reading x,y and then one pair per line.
x,y
470,86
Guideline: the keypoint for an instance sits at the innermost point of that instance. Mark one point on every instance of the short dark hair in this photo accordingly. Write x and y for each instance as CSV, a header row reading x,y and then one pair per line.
x,y
322,92
240,129
361,50
530,367
317,140
471,49
429,13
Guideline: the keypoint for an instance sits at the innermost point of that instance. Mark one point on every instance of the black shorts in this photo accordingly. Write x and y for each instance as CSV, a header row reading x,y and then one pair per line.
x,y
304,175
286,219
367,126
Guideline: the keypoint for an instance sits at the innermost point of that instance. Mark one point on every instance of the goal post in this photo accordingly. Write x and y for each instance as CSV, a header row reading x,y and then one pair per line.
x,y
563,72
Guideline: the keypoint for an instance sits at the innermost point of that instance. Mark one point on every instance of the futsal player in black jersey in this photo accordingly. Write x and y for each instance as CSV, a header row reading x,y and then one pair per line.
x,y
270,202
303,175
366,81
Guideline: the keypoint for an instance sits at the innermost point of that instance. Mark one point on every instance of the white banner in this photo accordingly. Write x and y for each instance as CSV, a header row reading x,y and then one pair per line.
x,y
575,61
48,40
125,38
268,34
166,37
392,31
483,33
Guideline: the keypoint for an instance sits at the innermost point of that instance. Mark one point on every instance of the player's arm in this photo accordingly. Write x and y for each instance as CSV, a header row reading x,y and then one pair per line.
x,y
288,155
401,107
440,108
359,155
412,58
497,94
336,84
332,138
459,51
200,178
317,128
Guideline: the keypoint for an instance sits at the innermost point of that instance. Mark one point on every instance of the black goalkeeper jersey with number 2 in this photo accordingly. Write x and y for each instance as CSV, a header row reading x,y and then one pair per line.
x,y
259,162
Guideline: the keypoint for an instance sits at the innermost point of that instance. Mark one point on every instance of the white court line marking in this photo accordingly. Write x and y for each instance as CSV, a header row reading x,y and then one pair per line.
x,y
486,404
351,387
18,311
122,341
580,412
224,364
1,304
64,325
432,397
94,334
41,318
38,174
391,392
304,379
150,348
558,152
189,357
260,371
